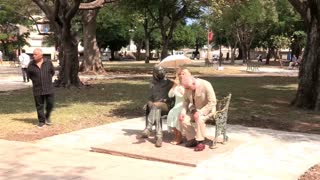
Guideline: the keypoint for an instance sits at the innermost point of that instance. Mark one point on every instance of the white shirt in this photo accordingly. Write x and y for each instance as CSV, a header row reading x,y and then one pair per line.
x,y
0,55
24,60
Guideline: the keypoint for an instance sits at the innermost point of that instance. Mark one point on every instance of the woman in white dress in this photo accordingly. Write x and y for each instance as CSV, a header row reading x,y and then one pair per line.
x,y
173,123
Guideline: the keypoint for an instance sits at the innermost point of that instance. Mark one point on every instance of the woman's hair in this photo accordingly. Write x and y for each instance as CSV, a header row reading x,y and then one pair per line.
x,y
181,71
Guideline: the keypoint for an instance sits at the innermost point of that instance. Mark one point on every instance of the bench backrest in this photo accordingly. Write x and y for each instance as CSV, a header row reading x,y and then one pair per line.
x,y
221,110
223,104
221,114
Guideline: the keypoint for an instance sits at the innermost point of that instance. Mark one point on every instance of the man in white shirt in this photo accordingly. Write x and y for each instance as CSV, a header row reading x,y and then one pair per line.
x,y
1,57
24,61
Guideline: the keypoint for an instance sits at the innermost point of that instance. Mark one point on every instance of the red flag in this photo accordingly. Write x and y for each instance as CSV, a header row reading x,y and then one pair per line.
x,y
210,36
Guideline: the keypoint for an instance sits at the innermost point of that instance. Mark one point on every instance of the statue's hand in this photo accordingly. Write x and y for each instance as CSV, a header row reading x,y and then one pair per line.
x,y
145,107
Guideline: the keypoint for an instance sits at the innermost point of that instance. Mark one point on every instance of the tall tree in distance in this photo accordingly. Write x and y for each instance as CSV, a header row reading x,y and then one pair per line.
x,y
141,12
169,14
113,29
14,15
308,93
91,55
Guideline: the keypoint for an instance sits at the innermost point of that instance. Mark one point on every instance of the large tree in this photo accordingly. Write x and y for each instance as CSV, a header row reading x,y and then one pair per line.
x,y
307,95
139,11
250,16
169,14
185,36
91,55
13,15
60,13
113,29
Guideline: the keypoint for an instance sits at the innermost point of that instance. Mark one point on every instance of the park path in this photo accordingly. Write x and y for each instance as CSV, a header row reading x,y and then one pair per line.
x,y
11,78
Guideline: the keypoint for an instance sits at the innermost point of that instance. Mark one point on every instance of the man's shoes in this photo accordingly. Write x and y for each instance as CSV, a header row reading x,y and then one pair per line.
x,y
41,125
200,147
48,122
192,143
159,142
145,133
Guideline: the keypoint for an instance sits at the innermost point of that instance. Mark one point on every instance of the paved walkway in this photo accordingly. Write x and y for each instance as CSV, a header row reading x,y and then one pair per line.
x,y
263,154
11,78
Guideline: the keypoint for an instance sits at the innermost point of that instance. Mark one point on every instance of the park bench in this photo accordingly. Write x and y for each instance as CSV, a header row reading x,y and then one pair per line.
x,y
14,63
210,62
252,66
220,119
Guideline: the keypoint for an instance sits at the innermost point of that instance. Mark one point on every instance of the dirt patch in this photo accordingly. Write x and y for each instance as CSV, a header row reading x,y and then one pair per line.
x,y
36,133
33,134
312,174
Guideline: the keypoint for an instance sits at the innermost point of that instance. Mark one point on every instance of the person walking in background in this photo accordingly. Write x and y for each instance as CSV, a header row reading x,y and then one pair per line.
x,y
24,62
176,91
1,57
259,58
199,101
40,72
295,62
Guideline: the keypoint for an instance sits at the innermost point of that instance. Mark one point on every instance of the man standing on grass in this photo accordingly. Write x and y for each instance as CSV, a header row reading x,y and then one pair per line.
x,y
24,62
40,72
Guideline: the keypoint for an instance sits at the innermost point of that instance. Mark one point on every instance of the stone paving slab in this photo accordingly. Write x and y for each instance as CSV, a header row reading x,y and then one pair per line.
x,y
25,161
266,154
130,144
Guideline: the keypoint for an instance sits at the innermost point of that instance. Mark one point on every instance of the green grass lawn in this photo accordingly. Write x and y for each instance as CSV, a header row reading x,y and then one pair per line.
x,y
256,101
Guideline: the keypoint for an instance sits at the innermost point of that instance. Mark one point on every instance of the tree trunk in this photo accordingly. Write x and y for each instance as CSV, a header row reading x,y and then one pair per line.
x,y
138,51
112,54
69,69
268,56
244,52
60,16
147,38
233,55
147,43
277,56
165,44
307,95
91,55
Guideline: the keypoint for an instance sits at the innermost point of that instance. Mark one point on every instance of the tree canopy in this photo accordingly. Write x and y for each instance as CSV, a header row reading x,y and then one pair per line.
x,y
113,29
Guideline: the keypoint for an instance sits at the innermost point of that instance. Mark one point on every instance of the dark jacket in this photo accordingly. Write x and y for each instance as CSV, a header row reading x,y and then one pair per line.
x,y
159,90
41,77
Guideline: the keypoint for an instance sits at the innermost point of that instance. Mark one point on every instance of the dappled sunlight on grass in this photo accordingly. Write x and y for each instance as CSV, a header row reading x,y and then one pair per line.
x,y
270,106
281,87
246,99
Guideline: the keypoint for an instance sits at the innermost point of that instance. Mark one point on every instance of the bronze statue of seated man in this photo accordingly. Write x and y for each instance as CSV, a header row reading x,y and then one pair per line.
x,y
158,103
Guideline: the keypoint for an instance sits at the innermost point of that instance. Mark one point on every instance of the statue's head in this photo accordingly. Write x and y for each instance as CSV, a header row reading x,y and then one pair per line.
x,y
158,73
